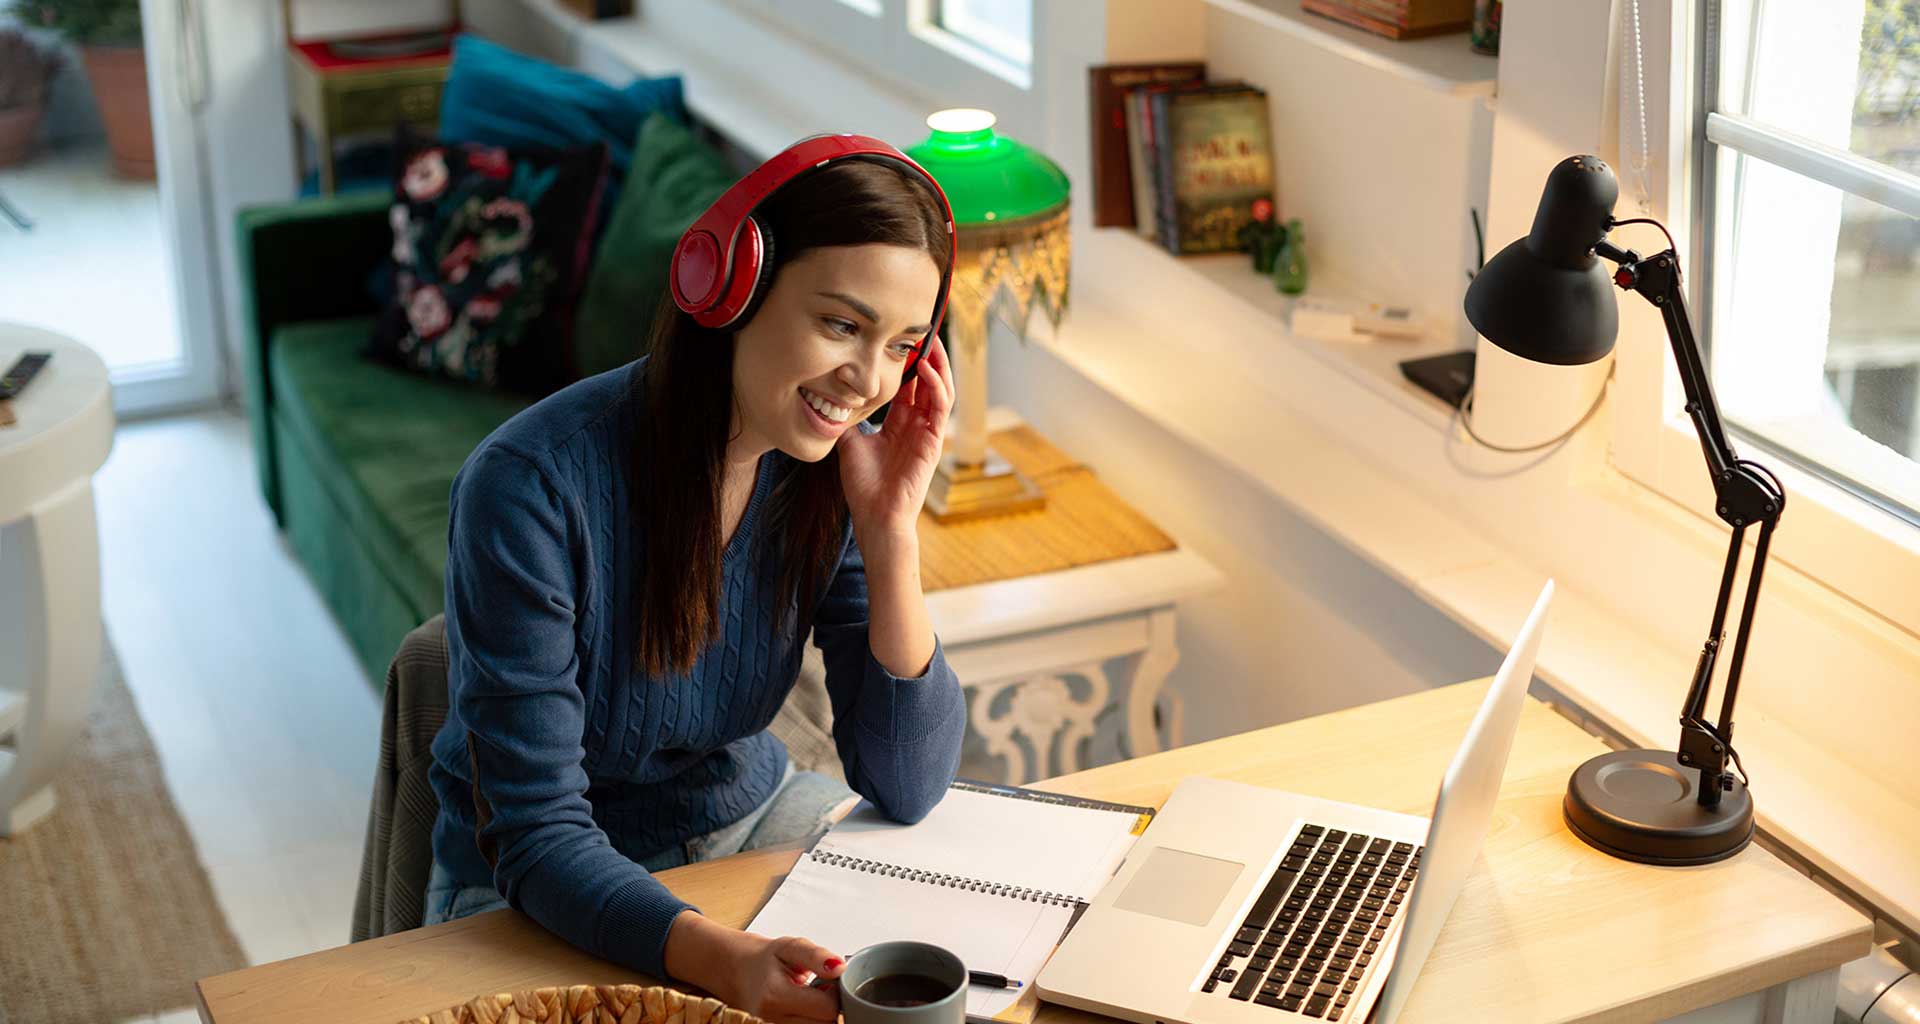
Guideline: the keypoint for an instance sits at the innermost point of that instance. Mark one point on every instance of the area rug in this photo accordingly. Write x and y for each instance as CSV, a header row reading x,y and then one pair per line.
x,y
106,914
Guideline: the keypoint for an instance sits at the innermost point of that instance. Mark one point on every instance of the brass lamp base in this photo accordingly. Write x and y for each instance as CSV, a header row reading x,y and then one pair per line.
x,y
992,488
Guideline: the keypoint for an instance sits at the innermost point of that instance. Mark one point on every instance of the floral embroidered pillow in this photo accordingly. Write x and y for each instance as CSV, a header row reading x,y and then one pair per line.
x,y
490,250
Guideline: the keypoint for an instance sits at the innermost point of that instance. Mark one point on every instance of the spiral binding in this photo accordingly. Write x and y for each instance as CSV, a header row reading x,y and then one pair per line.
x,y
1013,892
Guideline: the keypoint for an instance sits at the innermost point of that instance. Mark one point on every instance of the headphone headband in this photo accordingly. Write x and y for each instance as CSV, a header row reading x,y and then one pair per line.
x,y
720,261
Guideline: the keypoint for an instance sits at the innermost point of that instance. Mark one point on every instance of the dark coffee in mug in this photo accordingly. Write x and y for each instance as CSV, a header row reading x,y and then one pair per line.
x,y
903,990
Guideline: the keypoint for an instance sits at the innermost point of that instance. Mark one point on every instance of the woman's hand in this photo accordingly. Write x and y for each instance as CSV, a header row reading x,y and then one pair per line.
x,y
769,978
886,475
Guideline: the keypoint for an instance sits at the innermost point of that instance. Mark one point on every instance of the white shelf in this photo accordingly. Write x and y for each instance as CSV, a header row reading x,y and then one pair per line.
x,y
1443,63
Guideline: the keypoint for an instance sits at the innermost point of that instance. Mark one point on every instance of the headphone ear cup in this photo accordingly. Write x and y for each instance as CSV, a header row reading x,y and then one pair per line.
x,y
763,278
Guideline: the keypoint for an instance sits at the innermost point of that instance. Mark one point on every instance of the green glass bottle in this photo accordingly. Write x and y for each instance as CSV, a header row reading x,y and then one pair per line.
x,y
1290,264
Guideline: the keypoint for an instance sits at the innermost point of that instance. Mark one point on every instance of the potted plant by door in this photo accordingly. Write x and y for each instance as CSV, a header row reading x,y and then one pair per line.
x,y
108,35
25,72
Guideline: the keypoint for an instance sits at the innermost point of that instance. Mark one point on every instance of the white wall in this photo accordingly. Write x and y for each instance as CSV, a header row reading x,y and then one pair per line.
x,y
1304,626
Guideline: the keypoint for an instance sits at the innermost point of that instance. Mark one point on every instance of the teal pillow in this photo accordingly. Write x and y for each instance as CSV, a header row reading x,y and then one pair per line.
x,y
502,98
673,179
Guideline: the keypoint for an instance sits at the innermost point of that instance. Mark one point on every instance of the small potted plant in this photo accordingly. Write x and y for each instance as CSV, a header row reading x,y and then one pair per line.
x,y
108,35
26,71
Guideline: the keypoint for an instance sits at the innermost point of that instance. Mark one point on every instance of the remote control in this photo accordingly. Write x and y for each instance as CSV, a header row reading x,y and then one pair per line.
x,y
23,370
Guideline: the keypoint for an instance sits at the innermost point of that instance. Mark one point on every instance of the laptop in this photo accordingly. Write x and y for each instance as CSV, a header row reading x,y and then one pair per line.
x,y
1247,905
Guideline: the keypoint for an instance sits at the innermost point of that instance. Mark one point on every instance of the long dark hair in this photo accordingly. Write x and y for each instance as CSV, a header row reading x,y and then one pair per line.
x,y
680,458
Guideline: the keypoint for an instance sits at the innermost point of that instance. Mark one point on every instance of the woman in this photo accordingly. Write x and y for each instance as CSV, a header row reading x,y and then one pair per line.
x,y
633,565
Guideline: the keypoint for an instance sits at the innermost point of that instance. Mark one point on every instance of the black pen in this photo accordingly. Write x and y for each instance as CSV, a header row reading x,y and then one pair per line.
x,y
986,980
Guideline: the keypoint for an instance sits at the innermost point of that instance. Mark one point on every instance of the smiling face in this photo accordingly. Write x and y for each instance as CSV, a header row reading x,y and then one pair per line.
x,y
828,346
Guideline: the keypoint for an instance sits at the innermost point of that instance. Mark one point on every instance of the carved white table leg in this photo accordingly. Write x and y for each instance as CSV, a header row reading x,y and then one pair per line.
x,y
50,633
1043,709
1150,669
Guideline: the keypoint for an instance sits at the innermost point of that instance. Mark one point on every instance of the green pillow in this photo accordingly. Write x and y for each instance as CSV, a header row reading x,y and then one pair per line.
x,y
674,177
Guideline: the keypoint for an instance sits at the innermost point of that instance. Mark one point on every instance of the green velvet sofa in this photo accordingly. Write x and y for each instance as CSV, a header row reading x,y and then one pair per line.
x,y
356,459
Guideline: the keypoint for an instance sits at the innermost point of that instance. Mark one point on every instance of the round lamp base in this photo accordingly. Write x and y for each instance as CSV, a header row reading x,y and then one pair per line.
x,y
1642,805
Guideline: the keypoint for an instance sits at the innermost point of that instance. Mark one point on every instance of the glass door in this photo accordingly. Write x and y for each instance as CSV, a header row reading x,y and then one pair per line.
x,y
104,235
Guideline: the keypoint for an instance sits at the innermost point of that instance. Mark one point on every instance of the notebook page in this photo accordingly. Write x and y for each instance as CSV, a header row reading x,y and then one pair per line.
x,y
1023,843
846,910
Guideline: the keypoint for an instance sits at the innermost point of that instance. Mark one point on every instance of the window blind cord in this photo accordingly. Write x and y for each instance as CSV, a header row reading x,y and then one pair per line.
x,y
1639,161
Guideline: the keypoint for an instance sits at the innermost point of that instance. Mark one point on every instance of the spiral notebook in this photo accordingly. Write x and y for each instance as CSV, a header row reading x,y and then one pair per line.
x,y
997,874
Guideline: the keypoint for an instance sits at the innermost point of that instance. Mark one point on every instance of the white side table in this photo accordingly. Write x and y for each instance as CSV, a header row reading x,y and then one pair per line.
x,y
50,632
1020,646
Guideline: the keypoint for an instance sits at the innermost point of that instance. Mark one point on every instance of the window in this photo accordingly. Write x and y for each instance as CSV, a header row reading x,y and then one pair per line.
x,y
1004,27
933,53
1808,266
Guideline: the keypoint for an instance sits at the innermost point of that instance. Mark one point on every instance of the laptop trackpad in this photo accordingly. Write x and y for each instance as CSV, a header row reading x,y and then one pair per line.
x,y
1179,886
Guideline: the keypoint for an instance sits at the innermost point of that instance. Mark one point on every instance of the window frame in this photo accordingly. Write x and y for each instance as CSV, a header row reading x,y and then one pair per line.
x,y
1862,552
903,45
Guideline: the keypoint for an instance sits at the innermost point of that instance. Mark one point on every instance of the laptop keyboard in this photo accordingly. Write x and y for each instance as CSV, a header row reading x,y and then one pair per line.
x,y
1318,923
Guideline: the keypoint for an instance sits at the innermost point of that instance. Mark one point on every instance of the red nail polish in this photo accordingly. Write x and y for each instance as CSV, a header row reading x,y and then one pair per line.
x,y
834,962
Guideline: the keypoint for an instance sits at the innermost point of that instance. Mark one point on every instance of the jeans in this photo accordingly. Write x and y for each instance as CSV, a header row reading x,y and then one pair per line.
x,y
804,805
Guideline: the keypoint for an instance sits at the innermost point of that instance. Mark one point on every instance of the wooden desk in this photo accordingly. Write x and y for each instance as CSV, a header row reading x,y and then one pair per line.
x,y
1546,929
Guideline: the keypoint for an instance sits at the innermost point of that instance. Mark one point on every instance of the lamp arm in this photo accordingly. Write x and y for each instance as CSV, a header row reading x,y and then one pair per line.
x,y
1744,493
1657,279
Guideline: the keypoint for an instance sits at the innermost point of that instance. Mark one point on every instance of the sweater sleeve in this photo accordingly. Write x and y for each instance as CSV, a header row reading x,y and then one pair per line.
x,y
512,663
899,739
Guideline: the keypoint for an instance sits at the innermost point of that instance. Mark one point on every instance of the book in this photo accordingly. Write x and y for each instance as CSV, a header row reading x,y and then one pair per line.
x,y
1214,154
996,874
1107,87
1413,14
1140,153
1431,22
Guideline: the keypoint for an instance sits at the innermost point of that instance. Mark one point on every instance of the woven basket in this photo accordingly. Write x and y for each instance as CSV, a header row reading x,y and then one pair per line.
x,y
590,1004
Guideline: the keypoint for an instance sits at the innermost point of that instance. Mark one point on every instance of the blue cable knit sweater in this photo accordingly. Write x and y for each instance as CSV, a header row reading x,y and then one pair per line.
x,y
587,767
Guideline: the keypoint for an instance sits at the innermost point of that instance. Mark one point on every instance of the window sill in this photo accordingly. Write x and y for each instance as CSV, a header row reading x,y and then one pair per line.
x,y
1273,407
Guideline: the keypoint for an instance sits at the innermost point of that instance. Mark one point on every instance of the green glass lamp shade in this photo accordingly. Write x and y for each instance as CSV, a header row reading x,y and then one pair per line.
x,y
1547,297
989,179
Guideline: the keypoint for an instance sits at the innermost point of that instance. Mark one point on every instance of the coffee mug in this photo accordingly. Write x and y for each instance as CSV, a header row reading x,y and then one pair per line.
x,y
902,983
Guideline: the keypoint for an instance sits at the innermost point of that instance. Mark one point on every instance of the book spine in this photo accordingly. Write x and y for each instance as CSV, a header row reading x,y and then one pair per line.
x,y
1141,139
1337,12
1012,892
1165,220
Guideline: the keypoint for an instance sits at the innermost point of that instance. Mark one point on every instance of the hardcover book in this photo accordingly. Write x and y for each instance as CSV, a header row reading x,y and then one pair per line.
x,y
1107,88
1142,162
1214,154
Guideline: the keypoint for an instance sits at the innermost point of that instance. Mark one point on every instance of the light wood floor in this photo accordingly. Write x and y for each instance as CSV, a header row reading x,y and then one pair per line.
x,y
266,727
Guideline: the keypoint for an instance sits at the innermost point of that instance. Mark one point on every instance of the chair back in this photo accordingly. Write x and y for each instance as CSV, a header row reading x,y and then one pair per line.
x,y
398,852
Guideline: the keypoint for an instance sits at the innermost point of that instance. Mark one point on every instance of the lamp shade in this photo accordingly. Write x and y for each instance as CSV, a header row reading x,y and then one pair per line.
x,y
989,179
1547,297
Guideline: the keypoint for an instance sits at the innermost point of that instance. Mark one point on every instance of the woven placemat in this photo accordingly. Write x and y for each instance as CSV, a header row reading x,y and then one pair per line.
x,y
590,1004
1082,523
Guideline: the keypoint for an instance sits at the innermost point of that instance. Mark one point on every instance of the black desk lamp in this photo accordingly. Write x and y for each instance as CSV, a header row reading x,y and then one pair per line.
x,y
1545,298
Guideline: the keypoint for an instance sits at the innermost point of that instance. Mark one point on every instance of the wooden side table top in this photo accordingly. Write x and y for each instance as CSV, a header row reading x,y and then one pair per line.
x,y
1546,929
1083,523
1086,556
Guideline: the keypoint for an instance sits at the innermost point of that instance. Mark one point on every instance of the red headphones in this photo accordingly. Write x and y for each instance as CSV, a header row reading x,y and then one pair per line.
x,y
725,259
